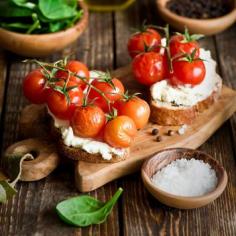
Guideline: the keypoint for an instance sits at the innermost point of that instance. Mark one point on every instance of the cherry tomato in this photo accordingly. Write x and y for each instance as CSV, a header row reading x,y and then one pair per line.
x,y
120,132
111,93
58,103
76,67
34,87
150,67
188,72
135,108
150,38
179,45
88,121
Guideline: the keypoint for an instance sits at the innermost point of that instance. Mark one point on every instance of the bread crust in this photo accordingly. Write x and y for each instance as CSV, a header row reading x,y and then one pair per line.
x,y
79,154
162,115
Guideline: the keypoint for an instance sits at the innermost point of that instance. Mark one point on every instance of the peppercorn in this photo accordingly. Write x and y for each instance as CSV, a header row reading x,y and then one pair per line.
x,y
200,9
159,138
155,131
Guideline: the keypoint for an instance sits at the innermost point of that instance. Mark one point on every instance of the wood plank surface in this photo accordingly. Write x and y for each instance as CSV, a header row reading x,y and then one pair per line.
x,y
90,176
103,45
142,214
31,211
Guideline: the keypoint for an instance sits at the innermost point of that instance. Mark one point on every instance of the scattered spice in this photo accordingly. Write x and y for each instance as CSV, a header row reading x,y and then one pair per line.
x,y
171,132
159,138
155,131
199,9
179,178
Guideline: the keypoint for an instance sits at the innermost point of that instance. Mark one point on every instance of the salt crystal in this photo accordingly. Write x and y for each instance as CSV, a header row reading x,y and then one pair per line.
x,y
187,178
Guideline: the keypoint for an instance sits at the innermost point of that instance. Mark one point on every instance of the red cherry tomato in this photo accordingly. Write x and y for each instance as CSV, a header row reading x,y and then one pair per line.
x,y
58,103
188,72
111,93
75,67
179,46
149,38
88,121
34,87
150,67
120,132
135,108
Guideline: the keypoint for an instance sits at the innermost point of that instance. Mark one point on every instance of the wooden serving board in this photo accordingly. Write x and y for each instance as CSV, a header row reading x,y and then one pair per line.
x,y
90,176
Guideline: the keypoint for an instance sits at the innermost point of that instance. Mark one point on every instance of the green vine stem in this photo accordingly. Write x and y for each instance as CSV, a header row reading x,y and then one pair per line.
x,y
45,65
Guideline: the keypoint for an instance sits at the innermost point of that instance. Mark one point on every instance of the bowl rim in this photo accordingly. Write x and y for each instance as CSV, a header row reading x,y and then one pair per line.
x,y
171,14
221,185
83,19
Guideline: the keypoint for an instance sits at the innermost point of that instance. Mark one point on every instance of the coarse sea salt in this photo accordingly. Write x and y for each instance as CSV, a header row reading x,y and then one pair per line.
x,y
186,177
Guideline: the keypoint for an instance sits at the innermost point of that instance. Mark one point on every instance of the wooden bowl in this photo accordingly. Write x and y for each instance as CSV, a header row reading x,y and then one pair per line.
x,y
165,157
206,27
38,45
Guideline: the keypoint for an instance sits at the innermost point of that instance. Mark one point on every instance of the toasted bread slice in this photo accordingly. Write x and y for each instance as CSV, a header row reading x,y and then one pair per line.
x,y
81,155
163,113
76,153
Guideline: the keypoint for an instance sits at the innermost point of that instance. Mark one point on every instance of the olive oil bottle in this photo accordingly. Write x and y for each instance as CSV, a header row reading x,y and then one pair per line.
x,y
108,5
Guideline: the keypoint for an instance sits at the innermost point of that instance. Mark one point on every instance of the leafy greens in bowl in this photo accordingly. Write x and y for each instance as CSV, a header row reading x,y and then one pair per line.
x,y
39,16
52,35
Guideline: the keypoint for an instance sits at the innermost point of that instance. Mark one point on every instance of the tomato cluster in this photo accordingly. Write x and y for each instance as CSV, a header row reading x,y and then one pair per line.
x,y
89,104
177,61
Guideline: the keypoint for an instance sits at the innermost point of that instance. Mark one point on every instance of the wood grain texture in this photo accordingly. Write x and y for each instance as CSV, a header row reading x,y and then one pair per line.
x,y
3,73
90,176
227,58
142,214
31,211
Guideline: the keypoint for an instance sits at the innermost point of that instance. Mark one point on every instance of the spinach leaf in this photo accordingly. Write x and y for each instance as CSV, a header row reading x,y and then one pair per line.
x,y
8,9
85,210
56,9
12,164
6,191
15,25
24,3
56,26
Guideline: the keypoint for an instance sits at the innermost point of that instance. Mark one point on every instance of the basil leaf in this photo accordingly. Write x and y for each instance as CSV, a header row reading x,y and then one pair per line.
x,y
56,9
85,210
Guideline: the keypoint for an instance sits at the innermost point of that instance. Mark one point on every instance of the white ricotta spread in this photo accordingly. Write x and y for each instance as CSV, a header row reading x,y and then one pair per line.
x,y
186,95
58,123
89,145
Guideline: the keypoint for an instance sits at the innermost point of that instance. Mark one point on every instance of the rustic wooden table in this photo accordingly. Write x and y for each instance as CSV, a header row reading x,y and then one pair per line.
x,y
103,46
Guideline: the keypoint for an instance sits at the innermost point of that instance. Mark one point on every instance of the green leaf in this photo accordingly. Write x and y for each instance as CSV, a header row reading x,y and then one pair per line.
x,y
6,191
56,9
3,194
57,26
8,9
85,210
16,25
12,165
24,3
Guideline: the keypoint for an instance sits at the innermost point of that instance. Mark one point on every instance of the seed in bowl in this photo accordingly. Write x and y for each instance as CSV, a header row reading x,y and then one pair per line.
x,y
187,178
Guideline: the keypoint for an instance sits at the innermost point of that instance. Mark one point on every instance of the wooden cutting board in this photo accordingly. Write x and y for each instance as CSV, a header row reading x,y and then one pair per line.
x,y
90,176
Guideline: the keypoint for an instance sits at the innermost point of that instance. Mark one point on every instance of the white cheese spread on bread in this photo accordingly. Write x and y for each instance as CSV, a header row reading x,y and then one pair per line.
x,y
90,145
87,144
186,95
